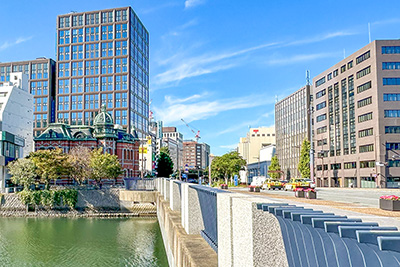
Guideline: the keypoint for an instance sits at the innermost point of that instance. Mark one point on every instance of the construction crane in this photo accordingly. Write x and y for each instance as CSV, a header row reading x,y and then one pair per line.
x,y
196,135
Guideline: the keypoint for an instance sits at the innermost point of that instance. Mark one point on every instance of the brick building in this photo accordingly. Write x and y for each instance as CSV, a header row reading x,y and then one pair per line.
x,y
104,133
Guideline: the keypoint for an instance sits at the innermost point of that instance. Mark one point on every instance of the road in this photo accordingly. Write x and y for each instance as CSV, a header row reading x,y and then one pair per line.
x,y
365,197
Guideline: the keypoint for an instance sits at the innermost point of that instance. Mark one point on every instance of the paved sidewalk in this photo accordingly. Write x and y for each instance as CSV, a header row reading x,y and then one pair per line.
x,y
384,218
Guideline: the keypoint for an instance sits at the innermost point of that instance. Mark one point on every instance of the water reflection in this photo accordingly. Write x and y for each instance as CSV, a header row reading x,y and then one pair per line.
x,y
81,242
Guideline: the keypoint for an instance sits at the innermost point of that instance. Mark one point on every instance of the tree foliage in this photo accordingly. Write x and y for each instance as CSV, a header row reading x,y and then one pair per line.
x,y
79,159
165,150
227,165
23,172
304,162
275,167
165,166
51,164
104,165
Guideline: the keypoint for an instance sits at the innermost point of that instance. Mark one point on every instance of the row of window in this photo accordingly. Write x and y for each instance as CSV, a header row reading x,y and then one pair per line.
x,y
390,49
363,57
92,34
40,104
363,72
391,97
93,84
77,117
92,101
393,146
365,117
366,132
92,67
39,88
392,129
390,65
106,17
366,148
395,113
321,105
364,102
363,87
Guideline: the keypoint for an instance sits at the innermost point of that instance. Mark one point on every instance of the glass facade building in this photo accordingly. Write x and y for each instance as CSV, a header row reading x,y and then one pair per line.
x,y
103,59
42,78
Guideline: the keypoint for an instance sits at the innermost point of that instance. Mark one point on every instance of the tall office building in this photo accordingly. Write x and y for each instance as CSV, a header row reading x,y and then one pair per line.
x,y
357,119
173,139
41,74
103,58
292,125
196,155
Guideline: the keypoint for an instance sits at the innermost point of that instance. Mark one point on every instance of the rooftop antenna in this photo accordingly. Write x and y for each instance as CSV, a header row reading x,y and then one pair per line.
x,y
369,32
276,99
344,53
308,77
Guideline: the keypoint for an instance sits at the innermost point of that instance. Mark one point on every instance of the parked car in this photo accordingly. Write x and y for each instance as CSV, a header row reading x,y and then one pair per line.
x,y
272,184
296,183
312,184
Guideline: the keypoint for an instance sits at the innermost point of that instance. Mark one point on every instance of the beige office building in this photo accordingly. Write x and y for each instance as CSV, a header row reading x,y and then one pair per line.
x,y
357,119
292,122
257,138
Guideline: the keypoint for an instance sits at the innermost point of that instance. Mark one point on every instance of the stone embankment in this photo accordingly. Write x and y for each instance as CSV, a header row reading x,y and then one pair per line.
x,y
105,203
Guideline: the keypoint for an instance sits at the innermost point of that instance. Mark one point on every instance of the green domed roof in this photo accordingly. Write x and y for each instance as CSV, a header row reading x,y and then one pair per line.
x,y
103,118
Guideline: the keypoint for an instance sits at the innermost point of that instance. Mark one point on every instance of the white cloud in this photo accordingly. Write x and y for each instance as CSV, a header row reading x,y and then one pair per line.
x,y
300,58
172,110
200,65
8,44
193,3
232,146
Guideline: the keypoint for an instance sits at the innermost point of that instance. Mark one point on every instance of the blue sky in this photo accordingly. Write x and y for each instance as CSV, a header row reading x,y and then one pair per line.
x,y
218,64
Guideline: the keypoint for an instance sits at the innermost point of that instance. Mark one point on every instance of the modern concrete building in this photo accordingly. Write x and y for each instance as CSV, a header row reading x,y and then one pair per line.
x,y
103,58
292,126
257,138
174,141
42,79
195,155
357,119
260,168
16,127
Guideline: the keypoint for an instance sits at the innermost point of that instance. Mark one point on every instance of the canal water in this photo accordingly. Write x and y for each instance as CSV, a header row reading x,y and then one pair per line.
x,y
81,242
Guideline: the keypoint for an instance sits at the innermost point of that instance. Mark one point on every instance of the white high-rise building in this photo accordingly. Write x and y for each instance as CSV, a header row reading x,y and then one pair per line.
x,y
16,127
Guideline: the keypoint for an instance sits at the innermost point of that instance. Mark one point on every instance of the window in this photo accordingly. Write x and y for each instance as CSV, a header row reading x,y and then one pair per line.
x,y
335,73
77,35
121,31
107,66
391,81
322,142
321,130
395,113
92,67
393,146
329,76
320,93
390,65
363,57
92,84
321,105
342,68
92,51
321,117
107,99
364,87
350,65
366,148
107,49
367,164
92,34
350,165
320,82
364,102
365,117
64,37
366,132
394,163
107,32
391,97
390,49
363,72
336,166
77,52
392,129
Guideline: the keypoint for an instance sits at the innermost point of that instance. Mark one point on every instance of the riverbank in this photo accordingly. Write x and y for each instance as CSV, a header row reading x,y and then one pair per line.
x,y
105,203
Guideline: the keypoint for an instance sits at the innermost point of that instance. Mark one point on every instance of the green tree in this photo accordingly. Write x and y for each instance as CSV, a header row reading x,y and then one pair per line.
x,y
23,172
165,166
275,168
51,164
104,165
227,165
304,162
165,150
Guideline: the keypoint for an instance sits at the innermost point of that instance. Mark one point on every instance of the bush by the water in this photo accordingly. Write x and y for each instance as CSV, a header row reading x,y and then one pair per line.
x,y
50,198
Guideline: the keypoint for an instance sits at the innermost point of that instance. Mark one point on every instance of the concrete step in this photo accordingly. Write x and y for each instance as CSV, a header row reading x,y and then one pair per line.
x,y
332,227
350,231
371,236
307,219
390,243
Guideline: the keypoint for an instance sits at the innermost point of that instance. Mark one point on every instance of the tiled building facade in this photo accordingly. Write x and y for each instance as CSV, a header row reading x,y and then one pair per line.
x,y
357,119
103,58
42,78
292,126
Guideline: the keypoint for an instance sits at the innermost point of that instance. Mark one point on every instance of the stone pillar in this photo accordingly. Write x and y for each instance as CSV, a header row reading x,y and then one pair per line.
x,y
175,196
167,186
194,216
241,227
184,204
